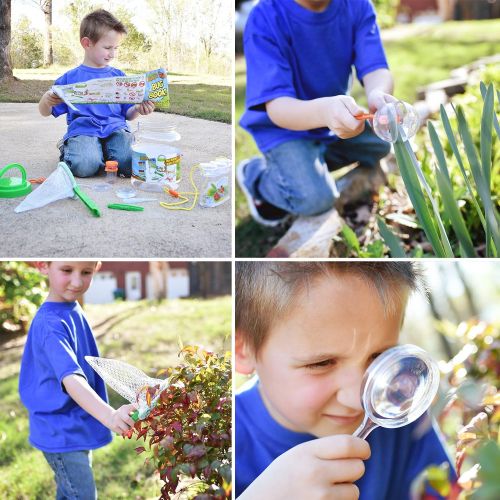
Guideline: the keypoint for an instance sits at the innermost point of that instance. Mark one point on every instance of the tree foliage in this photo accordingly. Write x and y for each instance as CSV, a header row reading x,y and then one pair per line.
x,y
22,290
386,12
188,433
27,45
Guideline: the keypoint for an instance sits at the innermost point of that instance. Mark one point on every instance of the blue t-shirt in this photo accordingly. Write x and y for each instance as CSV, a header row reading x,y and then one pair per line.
x,y
58,340
397,455
95,120
293,52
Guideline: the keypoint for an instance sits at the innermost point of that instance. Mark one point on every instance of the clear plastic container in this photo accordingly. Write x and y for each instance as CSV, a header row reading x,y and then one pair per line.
x,y
215,182
111,171
155,162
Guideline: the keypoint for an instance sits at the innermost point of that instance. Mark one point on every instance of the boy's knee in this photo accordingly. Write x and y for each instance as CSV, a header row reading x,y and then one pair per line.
x,y
315,202
84,166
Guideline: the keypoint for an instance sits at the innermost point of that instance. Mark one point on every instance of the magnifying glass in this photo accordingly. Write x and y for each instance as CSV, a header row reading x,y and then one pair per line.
x,y
397,388
393,119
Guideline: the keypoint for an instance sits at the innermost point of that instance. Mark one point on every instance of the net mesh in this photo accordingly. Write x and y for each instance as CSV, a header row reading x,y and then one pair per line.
x,y
128,381
57,186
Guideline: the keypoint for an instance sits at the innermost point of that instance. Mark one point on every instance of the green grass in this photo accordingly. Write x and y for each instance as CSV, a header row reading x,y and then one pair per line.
x,y
141,333
195,96
427,54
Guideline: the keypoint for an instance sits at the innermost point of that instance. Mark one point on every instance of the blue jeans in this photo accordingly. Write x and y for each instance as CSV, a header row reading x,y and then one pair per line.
x,y
85,155
73,475
294,176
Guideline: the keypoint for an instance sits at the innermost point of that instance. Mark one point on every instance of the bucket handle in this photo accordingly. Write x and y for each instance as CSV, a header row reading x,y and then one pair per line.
x,y
15,165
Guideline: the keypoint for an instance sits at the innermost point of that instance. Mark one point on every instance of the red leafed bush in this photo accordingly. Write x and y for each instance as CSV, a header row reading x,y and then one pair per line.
x,y
188,433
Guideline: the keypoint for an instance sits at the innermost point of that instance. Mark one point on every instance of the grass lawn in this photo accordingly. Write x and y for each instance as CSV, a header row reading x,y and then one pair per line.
x,y
141,333
418,55
195,96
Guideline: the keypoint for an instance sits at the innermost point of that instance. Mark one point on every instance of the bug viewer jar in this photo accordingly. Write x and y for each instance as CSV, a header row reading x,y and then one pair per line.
x,y
155,162
215,182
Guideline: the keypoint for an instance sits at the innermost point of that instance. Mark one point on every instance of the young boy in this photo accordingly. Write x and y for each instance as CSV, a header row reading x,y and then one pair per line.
x,y
66,400
309,332
299,55
96,132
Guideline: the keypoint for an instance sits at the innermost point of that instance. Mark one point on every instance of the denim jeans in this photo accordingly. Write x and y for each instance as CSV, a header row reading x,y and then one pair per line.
x,y
73,475
85,155
294,176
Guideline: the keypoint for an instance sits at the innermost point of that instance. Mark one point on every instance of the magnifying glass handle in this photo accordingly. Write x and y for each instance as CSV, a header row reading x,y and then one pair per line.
x,y
364,116
365,428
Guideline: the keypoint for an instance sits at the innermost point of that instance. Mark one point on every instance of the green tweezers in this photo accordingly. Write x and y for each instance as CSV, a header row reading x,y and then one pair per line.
x,y
123,206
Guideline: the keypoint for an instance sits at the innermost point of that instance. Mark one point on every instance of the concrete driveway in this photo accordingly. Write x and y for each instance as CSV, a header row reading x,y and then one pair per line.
x,y
66,229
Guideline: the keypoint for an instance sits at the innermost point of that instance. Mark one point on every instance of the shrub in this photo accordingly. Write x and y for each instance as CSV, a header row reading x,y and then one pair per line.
x,y
471,415
188,433
22,291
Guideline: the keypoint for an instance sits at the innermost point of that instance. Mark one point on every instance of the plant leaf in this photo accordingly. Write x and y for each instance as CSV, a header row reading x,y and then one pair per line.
x,y
391,240
477,172
417,197
446,190
486,139
351,238
454,147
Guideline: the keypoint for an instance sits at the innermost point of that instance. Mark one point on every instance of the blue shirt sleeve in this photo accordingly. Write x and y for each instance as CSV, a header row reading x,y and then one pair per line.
x,y
270,74
59,348
369,52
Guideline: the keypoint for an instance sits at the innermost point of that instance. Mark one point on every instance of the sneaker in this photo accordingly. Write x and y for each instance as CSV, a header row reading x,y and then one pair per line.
x,y
261,211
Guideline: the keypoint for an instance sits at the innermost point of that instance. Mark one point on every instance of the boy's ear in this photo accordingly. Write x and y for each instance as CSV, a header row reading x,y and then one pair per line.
x,y
85,42
43,267
244,355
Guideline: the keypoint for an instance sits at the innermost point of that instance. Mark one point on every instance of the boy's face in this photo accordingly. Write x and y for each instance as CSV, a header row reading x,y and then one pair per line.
x,y
68,281
102,52
312,363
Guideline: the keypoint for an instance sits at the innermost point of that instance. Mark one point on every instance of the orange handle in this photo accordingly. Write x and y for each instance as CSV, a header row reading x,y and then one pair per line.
x,y
364,116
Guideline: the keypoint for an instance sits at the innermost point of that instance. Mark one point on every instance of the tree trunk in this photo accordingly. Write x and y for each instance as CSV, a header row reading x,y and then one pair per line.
x,y
48,54
5,30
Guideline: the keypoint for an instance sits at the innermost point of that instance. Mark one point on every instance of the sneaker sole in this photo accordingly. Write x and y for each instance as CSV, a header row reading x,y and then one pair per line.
x,y
240,177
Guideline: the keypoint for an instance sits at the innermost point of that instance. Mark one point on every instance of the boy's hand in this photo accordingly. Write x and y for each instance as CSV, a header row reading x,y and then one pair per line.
x,y
339,113
120,420
145,107
324,468
377,98
51,99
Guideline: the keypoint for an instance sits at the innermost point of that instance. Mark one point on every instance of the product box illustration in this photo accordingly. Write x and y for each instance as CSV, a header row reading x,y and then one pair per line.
x,y
150,86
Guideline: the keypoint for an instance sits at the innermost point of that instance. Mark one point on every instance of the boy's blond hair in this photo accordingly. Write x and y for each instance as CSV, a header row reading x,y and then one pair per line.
x,y
99,22
265,291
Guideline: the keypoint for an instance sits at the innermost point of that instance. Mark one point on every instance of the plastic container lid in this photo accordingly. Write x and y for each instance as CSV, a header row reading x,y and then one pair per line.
x,y
13,187
111,166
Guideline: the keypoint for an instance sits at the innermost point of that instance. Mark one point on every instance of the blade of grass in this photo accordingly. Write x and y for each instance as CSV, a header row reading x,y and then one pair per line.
x,y
482,188
444,237
391,240
446,190
456,219
454,147
417,197
485,135
482,86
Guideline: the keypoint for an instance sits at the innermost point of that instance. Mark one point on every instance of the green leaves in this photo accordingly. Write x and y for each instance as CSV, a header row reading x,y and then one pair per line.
x,y
477,178
391,240
189,430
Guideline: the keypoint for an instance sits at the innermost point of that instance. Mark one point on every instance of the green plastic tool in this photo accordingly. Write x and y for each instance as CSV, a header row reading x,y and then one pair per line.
x,y
89,202
13,187
124,206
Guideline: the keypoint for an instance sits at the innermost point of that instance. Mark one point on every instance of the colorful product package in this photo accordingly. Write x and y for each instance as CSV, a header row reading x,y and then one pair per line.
x,y
150,86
